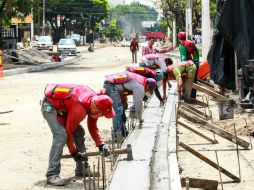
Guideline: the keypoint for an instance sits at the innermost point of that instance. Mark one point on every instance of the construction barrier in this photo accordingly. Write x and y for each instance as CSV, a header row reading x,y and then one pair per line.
x,y
1,65
203,71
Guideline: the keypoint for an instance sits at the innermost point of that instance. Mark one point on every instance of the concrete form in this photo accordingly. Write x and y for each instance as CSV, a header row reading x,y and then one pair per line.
x,y
154,151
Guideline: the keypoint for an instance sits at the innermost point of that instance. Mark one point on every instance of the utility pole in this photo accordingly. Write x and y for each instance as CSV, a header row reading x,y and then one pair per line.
x,y
43,18
174,33
188,14
205,28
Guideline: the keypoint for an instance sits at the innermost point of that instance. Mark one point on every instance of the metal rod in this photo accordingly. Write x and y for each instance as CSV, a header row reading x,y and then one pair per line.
x,y
94,176
237,152
98,169
248,133
89,178
103,171
187,181
84,175
219,169
204,106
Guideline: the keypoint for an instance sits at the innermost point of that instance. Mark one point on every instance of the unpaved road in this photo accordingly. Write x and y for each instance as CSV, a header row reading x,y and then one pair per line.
x,y
25,137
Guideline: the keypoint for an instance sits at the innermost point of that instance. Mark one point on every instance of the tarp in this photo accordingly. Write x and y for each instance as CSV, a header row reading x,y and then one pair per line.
x,y
234,32
155,35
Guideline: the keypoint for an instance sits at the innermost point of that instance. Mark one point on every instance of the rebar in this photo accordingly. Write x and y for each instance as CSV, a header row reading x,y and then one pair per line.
x,y
219,169
84,175
89,178
103,171
94,176
187,181
98,170
237,152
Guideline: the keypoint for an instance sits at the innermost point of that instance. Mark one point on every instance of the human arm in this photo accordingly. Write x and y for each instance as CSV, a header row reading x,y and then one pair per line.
x,y
161,64
94,131
75,115
138,94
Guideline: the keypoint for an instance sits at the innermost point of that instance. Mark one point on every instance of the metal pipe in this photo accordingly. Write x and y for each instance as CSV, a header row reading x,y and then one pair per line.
x,y
219,169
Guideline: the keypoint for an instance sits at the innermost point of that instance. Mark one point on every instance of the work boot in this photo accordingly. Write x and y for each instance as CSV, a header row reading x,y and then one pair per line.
x,y
88,173
55,180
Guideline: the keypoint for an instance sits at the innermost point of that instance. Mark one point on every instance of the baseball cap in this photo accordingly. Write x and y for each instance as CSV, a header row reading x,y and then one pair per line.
x,y
182,36
104,104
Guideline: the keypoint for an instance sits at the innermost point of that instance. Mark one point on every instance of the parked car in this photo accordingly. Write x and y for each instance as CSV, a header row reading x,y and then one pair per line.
x,y
66,46
125,43
45,42
76,38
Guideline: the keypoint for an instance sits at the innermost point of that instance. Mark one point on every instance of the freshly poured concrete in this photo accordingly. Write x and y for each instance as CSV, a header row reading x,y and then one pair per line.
x,y
153,152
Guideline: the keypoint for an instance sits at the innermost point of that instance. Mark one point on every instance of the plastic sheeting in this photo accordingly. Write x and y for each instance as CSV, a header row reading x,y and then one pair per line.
x,y
234,32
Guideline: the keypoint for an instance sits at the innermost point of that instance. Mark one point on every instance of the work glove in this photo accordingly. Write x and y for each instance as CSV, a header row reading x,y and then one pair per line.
x,y
104,149
78,157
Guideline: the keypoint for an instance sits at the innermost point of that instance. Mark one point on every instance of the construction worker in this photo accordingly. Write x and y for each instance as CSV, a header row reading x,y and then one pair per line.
x,y
155,61
149,49
188,51
184,73
64,107
148,73
124,84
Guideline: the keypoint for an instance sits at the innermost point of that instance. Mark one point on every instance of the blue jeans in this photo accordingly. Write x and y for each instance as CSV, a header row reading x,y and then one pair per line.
x,y
194,91
59,141
113,93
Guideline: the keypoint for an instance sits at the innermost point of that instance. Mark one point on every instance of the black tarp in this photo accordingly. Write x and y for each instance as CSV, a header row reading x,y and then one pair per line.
x,y
234,32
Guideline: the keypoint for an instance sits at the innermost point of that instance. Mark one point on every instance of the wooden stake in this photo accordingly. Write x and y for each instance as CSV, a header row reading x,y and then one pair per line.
x,y
200,183
216,95
193,112
208,161
185,125
213,128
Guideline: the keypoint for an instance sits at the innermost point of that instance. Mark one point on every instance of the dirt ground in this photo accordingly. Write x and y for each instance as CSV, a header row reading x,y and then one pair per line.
x,y
26,138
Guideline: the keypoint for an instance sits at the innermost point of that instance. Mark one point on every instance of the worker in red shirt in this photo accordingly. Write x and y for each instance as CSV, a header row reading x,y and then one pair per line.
x,y
64,107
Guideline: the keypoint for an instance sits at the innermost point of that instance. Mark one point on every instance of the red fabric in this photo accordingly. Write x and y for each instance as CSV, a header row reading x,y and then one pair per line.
x,y
104,104
190,46
203,70
141,70
139,78
56,58
76,107
155,35
134,45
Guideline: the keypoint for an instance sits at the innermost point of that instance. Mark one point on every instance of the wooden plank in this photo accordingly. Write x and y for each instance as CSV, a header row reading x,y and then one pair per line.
x,y
196,110
210,162
198,102
200,183
193,112
214,128
185,125
209,92
205,83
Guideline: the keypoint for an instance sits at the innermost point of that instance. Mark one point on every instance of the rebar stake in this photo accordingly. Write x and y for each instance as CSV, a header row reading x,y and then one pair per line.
x,y
84,174
248,133
237,152
219,169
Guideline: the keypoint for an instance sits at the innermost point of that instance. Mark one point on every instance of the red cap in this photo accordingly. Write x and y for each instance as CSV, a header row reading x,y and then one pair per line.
x,y
104,104
182,36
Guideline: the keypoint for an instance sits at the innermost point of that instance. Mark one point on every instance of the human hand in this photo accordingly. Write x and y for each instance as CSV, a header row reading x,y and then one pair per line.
x,y
77,156
104,149
141,121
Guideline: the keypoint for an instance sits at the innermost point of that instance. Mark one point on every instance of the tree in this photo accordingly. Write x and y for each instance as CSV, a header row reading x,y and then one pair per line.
x,y
14,8
113,31
78,12
130,17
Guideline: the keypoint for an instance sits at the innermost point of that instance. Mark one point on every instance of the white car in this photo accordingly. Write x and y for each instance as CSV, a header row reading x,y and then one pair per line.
x,y
125,43
66,46
45,42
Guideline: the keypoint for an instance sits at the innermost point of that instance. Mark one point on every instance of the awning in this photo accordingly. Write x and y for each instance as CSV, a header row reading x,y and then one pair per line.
x,y
155,35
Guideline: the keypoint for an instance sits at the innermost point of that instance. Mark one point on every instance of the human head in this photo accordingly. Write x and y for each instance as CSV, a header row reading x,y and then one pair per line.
x,y
102,106
168,61
150,42
181,36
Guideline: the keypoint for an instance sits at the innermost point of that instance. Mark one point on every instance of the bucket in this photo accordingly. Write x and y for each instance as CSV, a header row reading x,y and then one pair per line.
x,y
226,110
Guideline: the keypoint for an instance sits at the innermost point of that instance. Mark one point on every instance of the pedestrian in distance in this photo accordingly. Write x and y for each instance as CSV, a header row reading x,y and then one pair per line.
x,y
149,49
64,106
124,84
134,48
184,73
188,51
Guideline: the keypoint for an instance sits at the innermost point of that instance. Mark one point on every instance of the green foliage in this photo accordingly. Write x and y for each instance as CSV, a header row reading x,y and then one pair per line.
x,y
78,13
113,31
131,16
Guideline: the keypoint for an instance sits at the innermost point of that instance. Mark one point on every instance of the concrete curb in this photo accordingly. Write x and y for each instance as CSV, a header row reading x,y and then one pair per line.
x,y
38,68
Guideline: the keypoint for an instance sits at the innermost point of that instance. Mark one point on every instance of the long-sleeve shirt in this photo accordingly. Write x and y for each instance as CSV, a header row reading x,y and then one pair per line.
x,y
151,50
138,91
158,61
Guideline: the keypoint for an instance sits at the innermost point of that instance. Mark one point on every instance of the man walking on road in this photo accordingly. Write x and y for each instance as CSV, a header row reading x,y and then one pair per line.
x,y
124,84
134,48
64,107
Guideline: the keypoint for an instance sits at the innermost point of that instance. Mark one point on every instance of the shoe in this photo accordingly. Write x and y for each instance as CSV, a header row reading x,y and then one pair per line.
x,y
56,181
88,173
